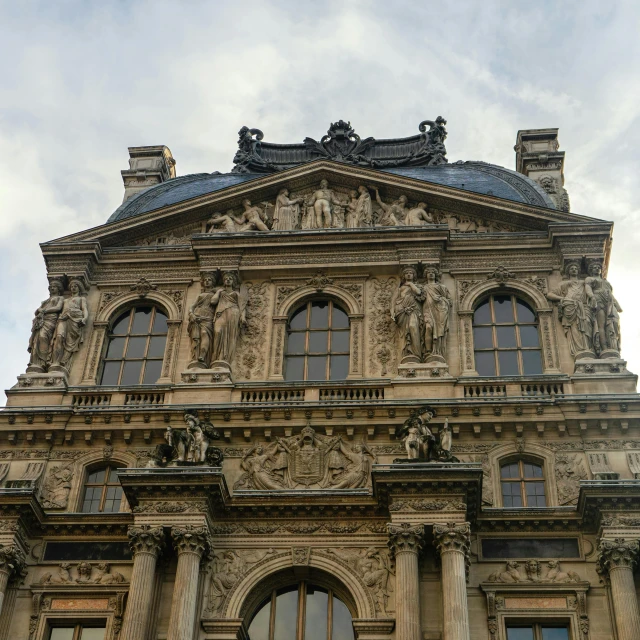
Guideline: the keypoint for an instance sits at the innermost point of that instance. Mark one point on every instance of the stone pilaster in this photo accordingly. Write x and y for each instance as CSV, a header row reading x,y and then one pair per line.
x,y
191,544
146,542
406,542
452,543
12,563
617,559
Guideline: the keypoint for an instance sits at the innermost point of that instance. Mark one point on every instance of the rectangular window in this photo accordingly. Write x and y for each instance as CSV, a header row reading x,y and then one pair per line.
x,y
519,548
537,631
78,632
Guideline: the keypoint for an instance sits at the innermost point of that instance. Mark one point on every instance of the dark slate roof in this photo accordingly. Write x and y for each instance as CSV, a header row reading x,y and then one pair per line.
x,y
477,177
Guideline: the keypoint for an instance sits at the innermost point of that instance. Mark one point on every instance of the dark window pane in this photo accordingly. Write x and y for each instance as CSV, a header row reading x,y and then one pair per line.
x,y
152,371
80,550
340,342
286,615
512,501
318,342
509,470
519,633
295,343
508,363
495,548
339,367
113,505
555,633
319,315
482,314
131,372
339,319
342,626
532,363
156,347
160,323
525,312
317,368
259,627
97,476
532,470
316,614
485,363
110,373
62,633
142,320
506,337
534,488
116,347
483,337
93,633
294,369
503,309
121,325
136,347
529,337
299,319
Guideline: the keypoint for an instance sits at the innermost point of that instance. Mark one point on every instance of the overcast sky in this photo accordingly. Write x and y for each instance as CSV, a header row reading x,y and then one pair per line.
x,y
80,81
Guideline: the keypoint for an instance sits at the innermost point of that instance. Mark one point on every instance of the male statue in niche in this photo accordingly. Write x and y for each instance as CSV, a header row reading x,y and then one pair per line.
x,y
420,442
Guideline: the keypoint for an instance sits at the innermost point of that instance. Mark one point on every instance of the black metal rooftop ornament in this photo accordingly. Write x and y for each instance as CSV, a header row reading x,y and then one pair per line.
x,y
343,144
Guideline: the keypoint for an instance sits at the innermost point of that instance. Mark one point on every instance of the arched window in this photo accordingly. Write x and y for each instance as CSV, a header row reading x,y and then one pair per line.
x,y
135,348
102,491
522,484
317,343
302,612
505,336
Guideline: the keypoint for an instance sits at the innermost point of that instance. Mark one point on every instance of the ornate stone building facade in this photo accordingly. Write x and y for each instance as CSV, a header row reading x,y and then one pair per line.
x,y
348,390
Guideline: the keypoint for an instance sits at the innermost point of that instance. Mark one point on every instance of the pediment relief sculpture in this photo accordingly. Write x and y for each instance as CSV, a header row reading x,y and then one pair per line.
x,y
533,572
86,573
310,460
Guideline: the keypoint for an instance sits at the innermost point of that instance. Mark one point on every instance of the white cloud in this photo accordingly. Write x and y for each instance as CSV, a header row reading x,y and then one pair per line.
x,y
82,81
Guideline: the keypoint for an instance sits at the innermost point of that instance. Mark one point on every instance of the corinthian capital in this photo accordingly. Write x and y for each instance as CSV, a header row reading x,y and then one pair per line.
x,y
191,539
405,537
452,536
617,553
146,539
12,560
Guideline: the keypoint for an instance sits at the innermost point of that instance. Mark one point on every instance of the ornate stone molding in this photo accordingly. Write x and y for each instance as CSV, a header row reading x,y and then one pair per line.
x,y
146,539
12,560
191,539
432,504
405,537
452,536
617,553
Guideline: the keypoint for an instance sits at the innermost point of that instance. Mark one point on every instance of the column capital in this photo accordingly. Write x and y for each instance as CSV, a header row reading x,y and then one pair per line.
x,y
191,539
617,553
452,536
405,537
146,539
12,560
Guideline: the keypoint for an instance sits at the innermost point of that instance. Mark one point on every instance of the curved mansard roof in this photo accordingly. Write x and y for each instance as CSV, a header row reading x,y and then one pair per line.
x,y
477,177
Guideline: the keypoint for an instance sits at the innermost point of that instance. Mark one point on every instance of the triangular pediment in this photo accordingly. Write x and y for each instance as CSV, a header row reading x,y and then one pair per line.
x,y
458,210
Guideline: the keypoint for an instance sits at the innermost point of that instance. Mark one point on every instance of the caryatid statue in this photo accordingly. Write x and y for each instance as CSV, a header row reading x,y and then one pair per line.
x,y
70,327
43,328
406,312
200,327
605,310
437,313
322,202
575,311
229,315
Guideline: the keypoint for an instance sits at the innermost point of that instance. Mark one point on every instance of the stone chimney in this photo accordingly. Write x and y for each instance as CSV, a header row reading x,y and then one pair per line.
x,y
538,157
148,166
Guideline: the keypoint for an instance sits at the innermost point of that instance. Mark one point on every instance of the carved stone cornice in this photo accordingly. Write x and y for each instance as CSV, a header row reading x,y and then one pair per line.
x,y
146,539
12,560
617,553
191,539
452,536
405,537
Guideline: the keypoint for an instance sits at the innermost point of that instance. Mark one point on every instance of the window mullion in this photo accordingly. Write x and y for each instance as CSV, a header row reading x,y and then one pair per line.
x,y
272,617
330,615
302,611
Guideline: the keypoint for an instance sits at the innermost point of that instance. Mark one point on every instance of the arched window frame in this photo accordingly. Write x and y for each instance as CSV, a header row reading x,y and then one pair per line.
x,y
111,465
287,302
109,311
521,288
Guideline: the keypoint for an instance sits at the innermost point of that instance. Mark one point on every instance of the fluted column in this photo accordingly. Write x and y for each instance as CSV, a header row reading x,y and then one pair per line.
x,y
452,543
12,562
617,559
146,542
191,544
405,542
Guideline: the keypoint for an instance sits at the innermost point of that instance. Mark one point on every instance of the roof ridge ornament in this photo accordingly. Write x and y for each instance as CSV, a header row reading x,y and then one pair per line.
x,y
342,144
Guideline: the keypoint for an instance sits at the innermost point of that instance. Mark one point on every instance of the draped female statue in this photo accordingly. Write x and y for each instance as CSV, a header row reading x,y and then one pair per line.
x,y
200,327
606,310
228,317
287,212
406,312
43,328
436,312
70,327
